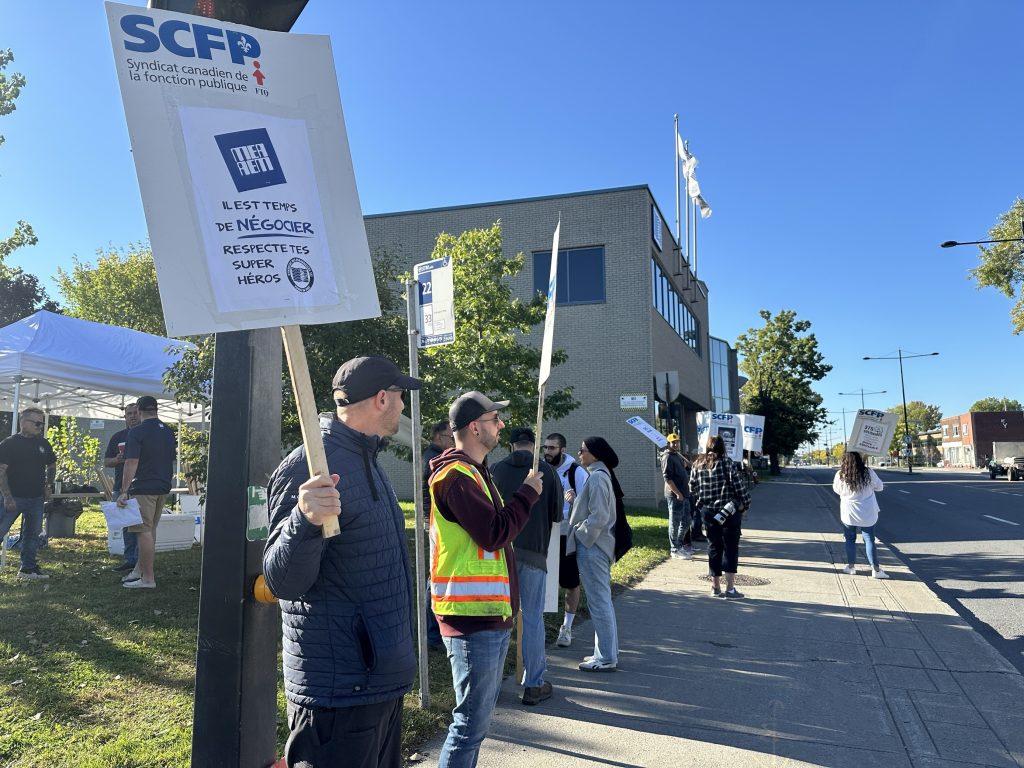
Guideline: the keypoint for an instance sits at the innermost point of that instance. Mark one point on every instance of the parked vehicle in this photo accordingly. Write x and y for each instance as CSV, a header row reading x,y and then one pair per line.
x,y
1007,459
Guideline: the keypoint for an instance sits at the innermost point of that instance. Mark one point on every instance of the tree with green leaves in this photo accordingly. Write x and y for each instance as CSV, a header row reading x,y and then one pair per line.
x,y
1002,264
996,404
20,292
119,289
922,417
781,360
77,452
489,353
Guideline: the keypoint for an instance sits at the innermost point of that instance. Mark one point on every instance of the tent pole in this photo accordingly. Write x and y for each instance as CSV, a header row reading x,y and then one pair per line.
x,y
14,406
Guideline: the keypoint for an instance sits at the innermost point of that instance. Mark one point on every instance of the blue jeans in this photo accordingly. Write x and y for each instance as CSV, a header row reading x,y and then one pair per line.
x,y
532,583
130,539
680,518
868,534
596,574
478,661
31,527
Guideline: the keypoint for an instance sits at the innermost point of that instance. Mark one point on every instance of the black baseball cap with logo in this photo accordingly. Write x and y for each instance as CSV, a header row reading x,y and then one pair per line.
x,y
363,377
146,403
470,407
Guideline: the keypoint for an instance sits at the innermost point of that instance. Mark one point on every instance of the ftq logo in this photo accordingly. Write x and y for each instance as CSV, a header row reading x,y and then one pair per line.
x,y
191,41
300,275
251,159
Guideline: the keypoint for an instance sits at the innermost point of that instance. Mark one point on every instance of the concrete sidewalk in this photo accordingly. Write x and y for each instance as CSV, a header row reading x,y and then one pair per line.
x,y
814,667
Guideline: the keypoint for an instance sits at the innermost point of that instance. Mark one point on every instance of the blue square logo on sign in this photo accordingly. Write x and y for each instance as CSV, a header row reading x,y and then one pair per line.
x,y
251,159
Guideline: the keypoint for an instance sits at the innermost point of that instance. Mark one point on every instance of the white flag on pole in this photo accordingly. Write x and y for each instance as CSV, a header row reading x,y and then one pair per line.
x,y
690,164
549,319
705,209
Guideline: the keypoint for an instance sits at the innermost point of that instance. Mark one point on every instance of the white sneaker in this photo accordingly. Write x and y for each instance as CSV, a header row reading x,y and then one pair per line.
x,y
880,574
564,637
850,569
686,554
139,584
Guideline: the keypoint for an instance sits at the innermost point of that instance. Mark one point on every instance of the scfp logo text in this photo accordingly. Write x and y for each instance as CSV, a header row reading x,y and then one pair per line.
x,y
187,40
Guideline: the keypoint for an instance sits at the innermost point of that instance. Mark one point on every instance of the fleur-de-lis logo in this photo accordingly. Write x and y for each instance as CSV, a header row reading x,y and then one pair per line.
x,y
244,44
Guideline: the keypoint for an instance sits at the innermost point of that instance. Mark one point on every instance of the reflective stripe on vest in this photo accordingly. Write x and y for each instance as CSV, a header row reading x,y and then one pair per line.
x,y
465,579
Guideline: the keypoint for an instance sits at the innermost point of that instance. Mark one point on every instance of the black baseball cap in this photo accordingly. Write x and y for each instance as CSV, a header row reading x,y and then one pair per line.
x,y
146,403
522,435
363,377
470,407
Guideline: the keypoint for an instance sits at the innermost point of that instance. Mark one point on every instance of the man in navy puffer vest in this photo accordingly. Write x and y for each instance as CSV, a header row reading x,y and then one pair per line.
x,y
345,601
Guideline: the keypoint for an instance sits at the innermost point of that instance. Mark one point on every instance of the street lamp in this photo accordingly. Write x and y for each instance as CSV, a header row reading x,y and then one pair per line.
x,y
861,392
953,243
906,419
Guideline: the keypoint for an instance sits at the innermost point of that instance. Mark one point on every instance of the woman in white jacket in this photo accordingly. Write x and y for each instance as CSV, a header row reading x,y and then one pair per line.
x,y
856,485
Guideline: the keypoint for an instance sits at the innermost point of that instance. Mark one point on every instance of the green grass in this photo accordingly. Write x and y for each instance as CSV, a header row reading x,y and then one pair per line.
x,y
96,676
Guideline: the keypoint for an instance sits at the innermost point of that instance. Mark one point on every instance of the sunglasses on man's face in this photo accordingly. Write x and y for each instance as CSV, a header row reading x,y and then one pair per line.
x,y
401,392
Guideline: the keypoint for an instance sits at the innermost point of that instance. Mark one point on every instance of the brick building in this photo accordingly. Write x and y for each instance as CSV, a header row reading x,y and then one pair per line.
x,y
967,439
629,307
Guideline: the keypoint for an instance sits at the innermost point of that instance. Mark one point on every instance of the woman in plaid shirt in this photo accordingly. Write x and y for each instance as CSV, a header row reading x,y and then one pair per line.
x,y
714,482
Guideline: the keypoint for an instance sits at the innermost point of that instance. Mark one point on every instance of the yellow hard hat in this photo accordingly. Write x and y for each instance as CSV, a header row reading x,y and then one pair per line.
x,y
672,438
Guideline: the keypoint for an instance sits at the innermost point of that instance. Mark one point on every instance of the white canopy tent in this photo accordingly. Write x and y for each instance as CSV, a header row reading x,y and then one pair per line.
x,y
72,367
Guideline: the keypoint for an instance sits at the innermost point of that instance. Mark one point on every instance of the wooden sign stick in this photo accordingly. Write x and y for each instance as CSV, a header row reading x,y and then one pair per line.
x,y
309,418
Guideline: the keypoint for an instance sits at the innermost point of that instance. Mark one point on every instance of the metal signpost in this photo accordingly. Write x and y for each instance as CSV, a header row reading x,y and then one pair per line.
x,y
430,307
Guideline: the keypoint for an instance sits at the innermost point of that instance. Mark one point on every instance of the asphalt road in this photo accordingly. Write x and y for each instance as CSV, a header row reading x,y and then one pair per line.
x,y
963,534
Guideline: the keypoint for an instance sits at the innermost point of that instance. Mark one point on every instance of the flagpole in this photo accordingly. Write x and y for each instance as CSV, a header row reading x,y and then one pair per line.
x,y
675,151
688,264
695,217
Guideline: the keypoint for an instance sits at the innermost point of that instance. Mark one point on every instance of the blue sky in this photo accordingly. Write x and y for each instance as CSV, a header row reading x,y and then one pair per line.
x,y
839,143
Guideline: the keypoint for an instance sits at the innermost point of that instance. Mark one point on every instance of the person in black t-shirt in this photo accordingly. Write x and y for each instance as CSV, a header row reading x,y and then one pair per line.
x,y
148,468
27,465
114,457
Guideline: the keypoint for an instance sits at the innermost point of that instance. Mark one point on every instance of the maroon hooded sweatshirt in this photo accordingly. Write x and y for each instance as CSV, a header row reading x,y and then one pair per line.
x,y
489,524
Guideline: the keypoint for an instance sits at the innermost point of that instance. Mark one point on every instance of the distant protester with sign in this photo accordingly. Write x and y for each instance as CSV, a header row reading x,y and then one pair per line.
x,y
676,471
721,495
856,484
346,601
473,576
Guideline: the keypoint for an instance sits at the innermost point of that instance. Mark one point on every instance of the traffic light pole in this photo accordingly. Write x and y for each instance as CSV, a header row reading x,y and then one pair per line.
x,y
235,716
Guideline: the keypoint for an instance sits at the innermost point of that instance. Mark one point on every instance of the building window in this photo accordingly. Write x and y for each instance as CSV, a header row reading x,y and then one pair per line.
x,y
672,307
965,430
720,395
945,430
956,431
580,275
